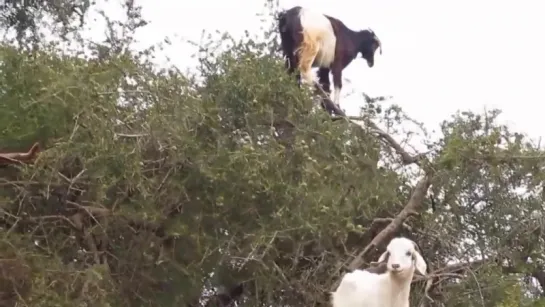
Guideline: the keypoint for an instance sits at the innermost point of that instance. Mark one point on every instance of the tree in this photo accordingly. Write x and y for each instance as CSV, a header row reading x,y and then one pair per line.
x,y
27,17
157,188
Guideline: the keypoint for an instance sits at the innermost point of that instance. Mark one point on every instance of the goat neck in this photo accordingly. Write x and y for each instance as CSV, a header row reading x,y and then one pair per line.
x,y
401,285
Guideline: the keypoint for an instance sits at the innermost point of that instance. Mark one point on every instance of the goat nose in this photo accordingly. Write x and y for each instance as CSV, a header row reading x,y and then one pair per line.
x,y
395,266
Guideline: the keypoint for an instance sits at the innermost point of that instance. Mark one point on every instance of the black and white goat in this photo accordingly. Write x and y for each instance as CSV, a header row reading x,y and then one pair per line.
x,y
387,283
311,39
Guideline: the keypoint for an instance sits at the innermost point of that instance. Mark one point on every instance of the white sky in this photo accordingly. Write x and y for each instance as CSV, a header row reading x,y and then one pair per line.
x,y
439,56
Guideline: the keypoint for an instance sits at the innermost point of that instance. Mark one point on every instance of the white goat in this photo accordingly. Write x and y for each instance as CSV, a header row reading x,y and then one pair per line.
x,y
387,283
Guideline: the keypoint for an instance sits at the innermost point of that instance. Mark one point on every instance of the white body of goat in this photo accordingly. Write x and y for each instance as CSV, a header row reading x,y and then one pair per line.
x,y
386,285
361,288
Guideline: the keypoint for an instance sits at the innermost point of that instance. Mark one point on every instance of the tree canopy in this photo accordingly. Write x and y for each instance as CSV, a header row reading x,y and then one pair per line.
x,y
152,187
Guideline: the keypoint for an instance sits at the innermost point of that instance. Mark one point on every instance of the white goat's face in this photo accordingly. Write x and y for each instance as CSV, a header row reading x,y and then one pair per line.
x,y
401,257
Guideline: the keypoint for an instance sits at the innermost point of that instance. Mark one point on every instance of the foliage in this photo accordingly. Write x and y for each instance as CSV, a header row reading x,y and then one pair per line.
x,y
154,187
26,17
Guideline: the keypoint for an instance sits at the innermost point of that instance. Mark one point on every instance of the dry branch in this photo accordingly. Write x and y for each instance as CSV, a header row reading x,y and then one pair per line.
x,y
406,158
387,220
7,158
328,104
411,208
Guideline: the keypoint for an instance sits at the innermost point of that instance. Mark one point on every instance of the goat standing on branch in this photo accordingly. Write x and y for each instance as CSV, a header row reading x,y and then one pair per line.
x,y
311,39
387,283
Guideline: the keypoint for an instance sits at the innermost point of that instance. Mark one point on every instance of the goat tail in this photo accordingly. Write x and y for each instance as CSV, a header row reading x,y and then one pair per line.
x,y
282,22
280,14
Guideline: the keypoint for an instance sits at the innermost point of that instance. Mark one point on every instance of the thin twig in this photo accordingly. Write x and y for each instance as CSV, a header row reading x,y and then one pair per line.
x,y
125,135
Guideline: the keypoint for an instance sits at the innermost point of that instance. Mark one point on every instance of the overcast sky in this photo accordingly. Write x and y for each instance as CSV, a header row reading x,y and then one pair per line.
x,y
438,57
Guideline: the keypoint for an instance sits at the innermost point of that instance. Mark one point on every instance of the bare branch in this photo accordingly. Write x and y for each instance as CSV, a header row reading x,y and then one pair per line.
x,y
20,157
126,135
411,208
405,156
329,105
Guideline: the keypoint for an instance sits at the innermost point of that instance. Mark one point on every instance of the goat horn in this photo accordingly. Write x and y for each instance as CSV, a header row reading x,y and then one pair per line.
x,y
379,44
376,39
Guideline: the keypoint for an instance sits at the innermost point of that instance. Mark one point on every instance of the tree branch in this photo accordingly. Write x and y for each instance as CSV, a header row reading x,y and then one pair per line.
x,y
327,103
411,208
332,108
406,158
7,158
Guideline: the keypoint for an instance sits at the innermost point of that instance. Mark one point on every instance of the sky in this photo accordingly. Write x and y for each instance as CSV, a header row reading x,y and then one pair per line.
x,y
438,56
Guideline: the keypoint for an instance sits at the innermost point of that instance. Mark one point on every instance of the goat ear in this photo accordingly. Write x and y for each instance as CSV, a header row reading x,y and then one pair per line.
x,y
382,259
421,265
